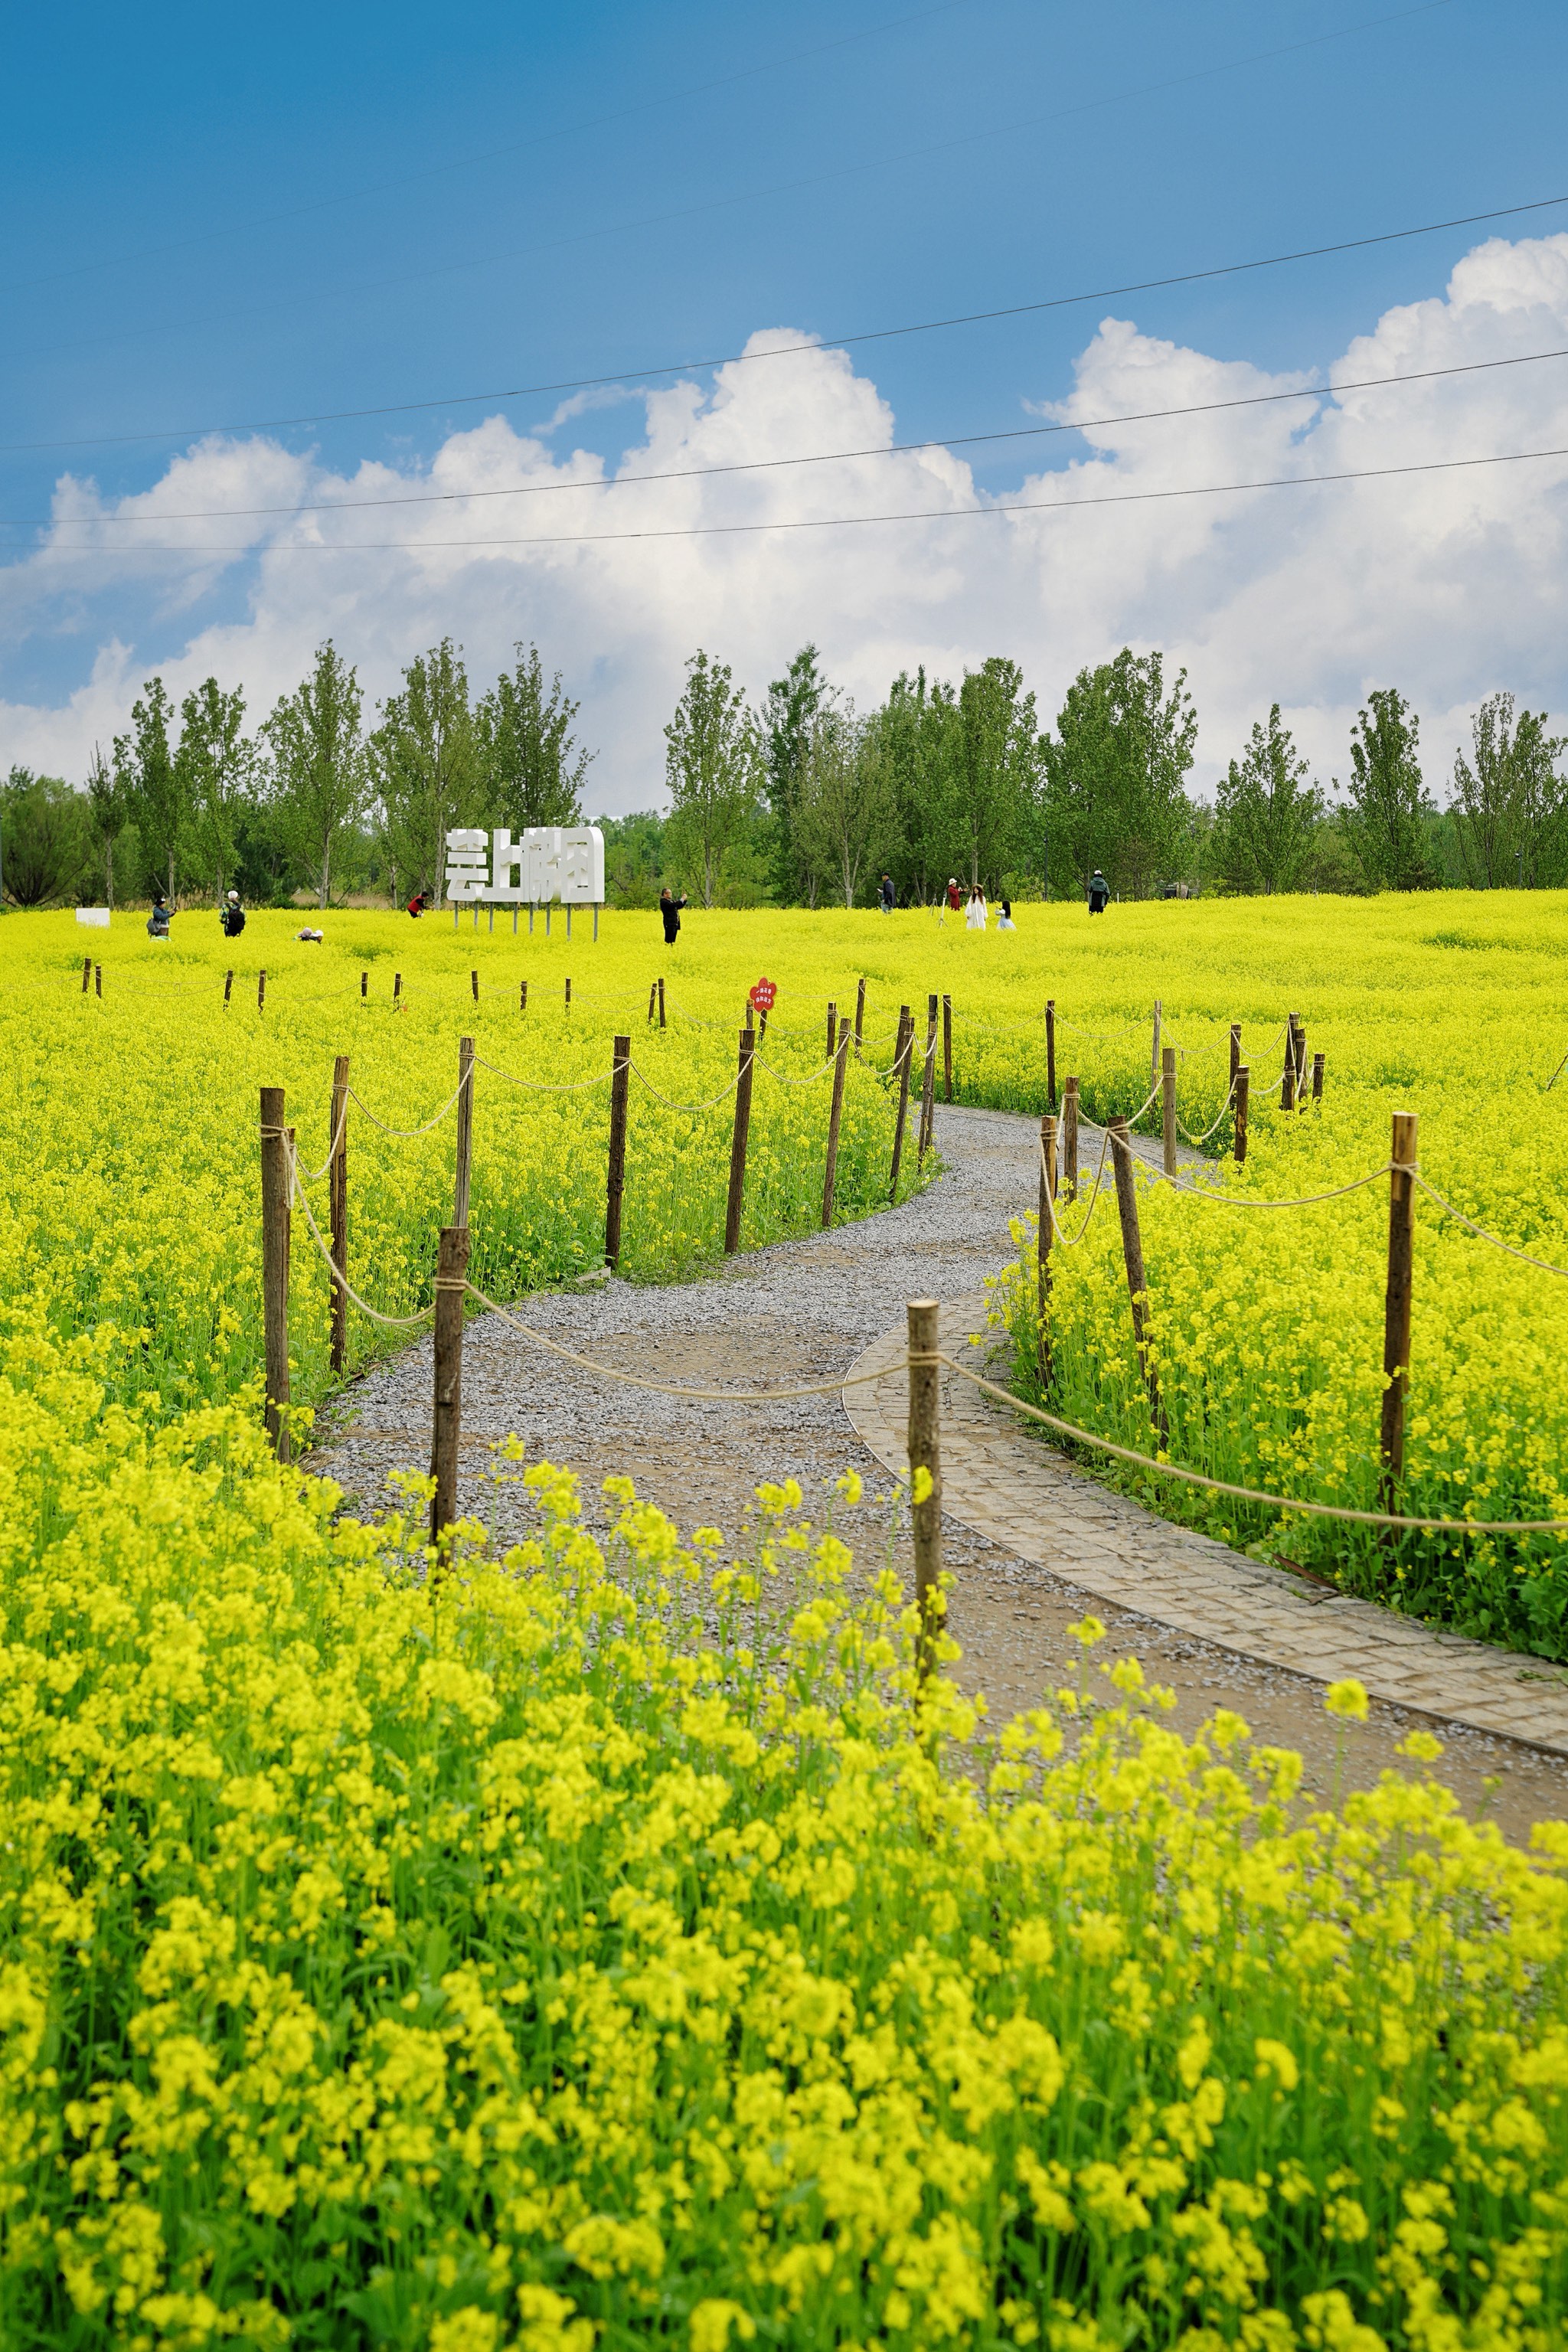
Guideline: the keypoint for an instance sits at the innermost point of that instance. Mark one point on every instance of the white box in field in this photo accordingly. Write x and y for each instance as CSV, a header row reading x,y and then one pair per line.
x,y
97,916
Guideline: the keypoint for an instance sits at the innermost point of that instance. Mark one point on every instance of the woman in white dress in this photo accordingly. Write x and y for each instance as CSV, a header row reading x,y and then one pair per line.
x,y
974,919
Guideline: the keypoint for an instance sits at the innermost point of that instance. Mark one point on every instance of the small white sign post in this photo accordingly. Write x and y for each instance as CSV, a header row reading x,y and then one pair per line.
x,y
550,863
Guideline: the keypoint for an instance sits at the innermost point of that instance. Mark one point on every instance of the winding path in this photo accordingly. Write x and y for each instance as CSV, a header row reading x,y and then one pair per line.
x,y
1033,1541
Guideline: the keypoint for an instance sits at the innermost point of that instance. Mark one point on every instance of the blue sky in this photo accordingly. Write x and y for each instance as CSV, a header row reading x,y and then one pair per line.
x,y
220,218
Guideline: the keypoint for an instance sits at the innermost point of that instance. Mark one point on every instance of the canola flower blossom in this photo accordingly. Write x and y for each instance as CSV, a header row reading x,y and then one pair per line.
x,y
588,1948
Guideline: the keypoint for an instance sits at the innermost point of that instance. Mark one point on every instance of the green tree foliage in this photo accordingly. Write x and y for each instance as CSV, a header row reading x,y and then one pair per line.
x,y
713,769
1267,813
992,802
46,844
427,768
531,769
152,784
322,778
634,857
917,731
1384,815
108,815
793,703
846,818
215,771
1116,773
1510,805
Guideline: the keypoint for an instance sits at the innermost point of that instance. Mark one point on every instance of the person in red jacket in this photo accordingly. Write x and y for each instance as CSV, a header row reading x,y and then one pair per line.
x,y
418,904
954,894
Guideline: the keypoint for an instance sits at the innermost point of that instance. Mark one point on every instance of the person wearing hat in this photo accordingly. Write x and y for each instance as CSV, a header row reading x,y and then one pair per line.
x,y
1098,892
158,920
954,894
231,915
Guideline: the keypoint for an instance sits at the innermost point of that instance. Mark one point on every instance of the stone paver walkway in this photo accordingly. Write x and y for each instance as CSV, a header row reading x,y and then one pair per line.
x,y
1007,1486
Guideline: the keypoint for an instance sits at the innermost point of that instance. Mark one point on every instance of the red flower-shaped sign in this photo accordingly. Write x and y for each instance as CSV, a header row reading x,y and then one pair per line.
x,y
763,995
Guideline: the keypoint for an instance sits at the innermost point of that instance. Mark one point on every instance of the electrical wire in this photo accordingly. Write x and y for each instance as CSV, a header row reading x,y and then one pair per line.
x,y
819,522
809,344
819,457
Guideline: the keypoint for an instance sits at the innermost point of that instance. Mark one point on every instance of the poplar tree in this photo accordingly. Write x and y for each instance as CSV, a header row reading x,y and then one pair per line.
x,y
1267,813
531,769
322,770
426,764
713,771
1385,817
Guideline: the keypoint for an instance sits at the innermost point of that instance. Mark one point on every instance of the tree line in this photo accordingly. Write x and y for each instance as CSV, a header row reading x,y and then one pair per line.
x,y
797,800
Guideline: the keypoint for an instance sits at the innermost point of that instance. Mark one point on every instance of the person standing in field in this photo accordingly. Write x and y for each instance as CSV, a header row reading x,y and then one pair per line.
x,y
670,908
954,894
158,920
231,915
1098,892
974,918
888,895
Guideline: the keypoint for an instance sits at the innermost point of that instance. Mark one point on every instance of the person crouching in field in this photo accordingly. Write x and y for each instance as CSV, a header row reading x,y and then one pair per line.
x,y
418,904
158,920
1004,920
669,908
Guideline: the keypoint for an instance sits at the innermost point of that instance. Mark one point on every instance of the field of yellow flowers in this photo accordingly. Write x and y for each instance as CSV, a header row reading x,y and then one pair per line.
x,y
588,1948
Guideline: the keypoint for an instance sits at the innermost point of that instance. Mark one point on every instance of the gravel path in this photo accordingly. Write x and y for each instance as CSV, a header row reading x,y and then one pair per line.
x,y
801,1311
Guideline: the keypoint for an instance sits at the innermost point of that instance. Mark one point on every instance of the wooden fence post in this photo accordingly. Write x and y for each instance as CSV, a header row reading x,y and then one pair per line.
x,y
1051,1052
620,1082
1239,1115
397,987
1234,1050
229,984
652,999
1069,1138
928,1086
86,974
902,1054
1042,1246
1288,1082
451,1269
474,984
97,979
1155,1054
1137,1282
661,1004
276,1189
363,985
835,1114
465,1156
1301,1067
1397,1308
1318,1062
568,996
1168,1108
522,998
738,1144
338,1198
925,1453
860,1018
832,1027
947,1048
261,991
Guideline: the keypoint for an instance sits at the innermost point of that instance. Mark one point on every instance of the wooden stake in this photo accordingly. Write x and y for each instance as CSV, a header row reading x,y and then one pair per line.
x,y
1137,1282
1168,1108
363,985
522,997
97,979
860,1018
86,974
1051,1052
1238,1114
451,1267
397,986
1397,1308
652,998
1069,1138
1234,1050
738,1144
227,984
661,1004
465,1159
1042,1246
1318,1062
832,1028
620,1082
261,991
1154,1055
338,1198
925,1453
1288,1083
474,984
947,1048
1301,1067
568,996
840,1072
928,1088
903,1052
275,1193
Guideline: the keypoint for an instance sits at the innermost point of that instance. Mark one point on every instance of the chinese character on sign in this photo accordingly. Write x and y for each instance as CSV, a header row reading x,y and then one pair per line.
x,y
763,994
550,862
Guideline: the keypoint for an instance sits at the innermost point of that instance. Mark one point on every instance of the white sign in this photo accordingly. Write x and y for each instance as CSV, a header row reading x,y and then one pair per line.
x,y
550,861
97,916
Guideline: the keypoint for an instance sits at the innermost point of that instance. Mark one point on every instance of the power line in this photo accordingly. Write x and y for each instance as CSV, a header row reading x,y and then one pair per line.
x,y
821,457
988,136
836,522
790,351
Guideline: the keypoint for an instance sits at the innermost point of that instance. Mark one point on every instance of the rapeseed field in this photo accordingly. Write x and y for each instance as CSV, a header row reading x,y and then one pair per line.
x,y
587,1946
